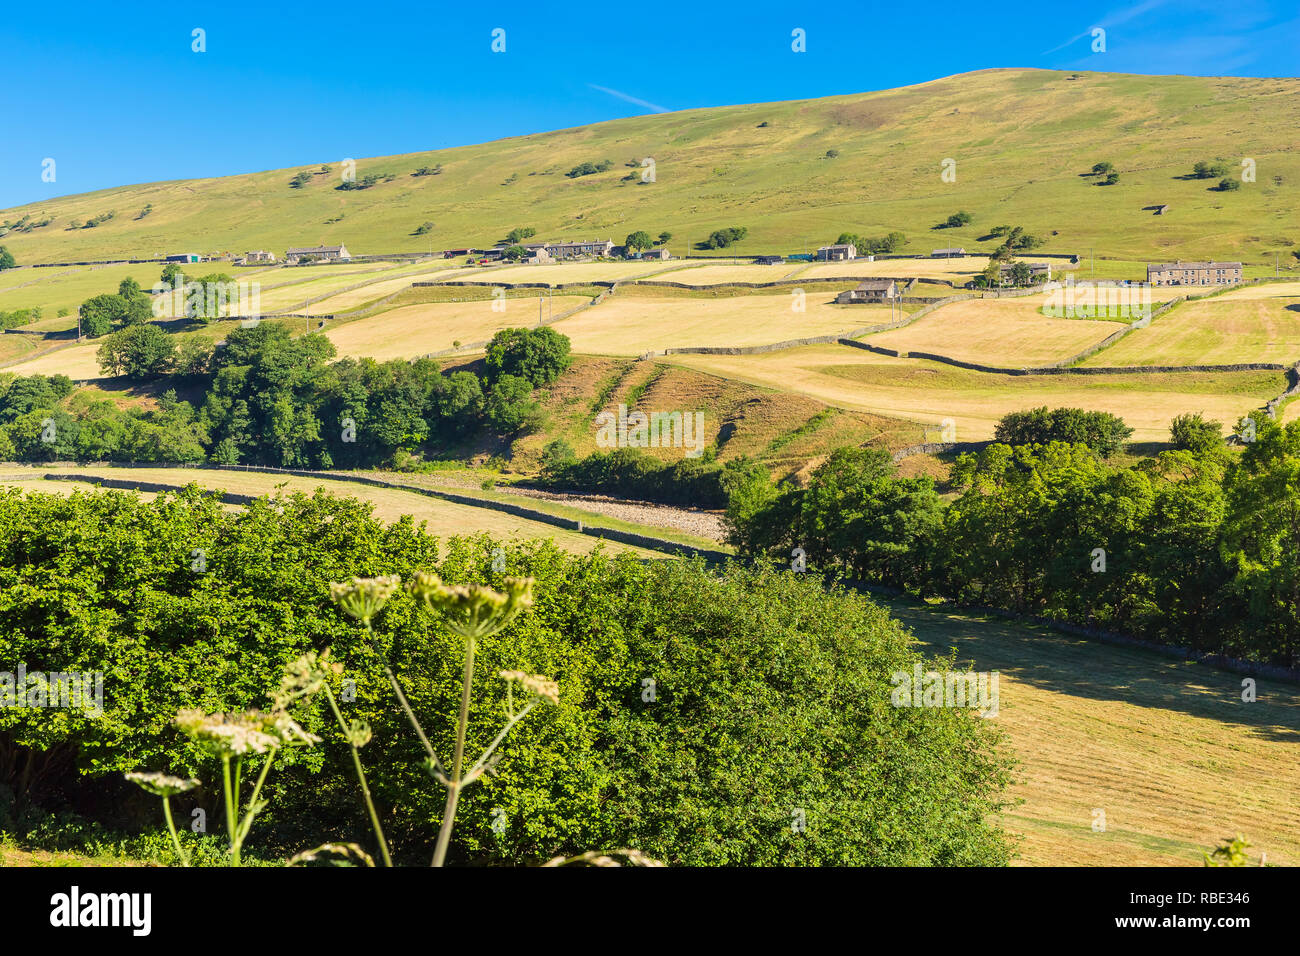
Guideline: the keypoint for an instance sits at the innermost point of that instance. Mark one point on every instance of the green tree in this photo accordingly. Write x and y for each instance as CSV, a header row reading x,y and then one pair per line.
x,y
101,313
539,356
638,241
138,351
1261,537
510,406
6,259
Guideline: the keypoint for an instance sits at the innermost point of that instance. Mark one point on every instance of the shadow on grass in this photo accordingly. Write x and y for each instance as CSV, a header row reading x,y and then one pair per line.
x,y
1079,667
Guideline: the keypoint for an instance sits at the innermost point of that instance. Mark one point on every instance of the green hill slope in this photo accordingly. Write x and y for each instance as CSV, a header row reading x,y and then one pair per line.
x,y
1020,138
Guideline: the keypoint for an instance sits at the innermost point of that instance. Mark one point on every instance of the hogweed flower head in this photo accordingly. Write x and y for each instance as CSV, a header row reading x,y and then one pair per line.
x,y
160,784
234,735
535,684
473,610
363,598
304,677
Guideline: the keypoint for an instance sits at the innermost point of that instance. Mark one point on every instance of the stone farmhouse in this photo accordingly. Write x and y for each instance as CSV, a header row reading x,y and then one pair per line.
x,y
871,290
1038,271
576,250
318,254
837,253
1194,273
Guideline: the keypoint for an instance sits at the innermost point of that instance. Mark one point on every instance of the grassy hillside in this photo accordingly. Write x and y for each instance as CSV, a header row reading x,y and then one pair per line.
x,y
1021,140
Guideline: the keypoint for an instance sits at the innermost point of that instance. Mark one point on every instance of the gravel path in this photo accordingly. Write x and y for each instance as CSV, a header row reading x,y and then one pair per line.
x,y
705,524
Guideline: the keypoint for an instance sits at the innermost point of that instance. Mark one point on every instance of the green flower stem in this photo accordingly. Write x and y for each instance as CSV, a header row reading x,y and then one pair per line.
x,y
476,771
246,823
171,828
230,808
361,778
453,787
401,699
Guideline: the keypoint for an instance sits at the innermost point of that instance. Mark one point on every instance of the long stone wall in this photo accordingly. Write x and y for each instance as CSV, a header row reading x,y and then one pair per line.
x,y
648,542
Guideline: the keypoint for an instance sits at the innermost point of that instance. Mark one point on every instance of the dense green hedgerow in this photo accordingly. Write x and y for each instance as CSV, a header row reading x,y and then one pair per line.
x,y
770,700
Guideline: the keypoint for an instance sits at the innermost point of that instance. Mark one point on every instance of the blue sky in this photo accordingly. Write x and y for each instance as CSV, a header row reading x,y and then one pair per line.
x,y
115,94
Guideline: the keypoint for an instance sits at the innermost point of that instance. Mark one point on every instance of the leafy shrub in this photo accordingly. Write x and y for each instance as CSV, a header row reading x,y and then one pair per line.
x,y
588,169
1193,432
1103,432
630,473
722,238
770,697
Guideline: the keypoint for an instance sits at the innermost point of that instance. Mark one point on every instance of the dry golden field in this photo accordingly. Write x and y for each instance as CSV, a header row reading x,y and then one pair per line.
x,y
410,331
626,324
369,293
1010,333
557,272
1164,747
78,362
955,270
444,518
929,392
722,274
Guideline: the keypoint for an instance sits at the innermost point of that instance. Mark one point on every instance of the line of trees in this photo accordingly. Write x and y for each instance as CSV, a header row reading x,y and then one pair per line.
x,y
1191,548
271,399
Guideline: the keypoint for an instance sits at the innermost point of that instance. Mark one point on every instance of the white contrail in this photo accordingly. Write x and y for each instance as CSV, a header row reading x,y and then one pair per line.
x,y
630,99
1112,20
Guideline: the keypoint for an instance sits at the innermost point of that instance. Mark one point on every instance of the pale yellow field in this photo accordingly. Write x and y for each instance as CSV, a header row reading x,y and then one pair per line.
x,y
350,300
1010,333
285,275
1264,290
929,392
414,330
723,274
1218,331
954,269
293,296
444,518
627,325
78,362
558,272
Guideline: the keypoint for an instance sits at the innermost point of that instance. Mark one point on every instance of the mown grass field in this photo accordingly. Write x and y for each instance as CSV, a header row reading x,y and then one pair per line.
x,y
378,290
1213,332
555,273
628,324
1164,747
1021,139
410,331
719,274
958,271
999,332
929,392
